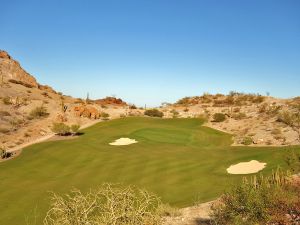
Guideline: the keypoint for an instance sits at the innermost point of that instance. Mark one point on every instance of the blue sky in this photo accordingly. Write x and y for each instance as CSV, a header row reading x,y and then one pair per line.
x,y
153,51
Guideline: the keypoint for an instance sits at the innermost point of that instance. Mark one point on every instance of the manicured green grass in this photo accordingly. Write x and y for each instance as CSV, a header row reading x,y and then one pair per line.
x,y
178,159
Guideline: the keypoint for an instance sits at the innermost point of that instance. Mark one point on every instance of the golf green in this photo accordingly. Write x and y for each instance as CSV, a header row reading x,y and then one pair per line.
x,y
178,159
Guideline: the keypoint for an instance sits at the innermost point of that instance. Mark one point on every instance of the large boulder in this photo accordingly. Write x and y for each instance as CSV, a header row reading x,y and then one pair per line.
x,y
87,111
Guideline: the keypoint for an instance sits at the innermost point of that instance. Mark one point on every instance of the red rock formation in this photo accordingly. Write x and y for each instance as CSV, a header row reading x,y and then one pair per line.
x,y
87,111
111,101
11,69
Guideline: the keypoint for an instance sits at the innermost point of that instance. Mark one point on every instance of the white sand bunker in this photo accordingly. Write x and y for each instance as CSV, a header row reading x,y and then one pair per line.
x,y
252,166
123,141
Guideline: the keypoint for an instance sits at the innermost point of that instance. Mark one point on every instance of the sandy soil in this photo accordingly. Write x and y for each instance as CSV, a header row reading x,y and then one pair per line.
x,y
123,141
252,166
195,215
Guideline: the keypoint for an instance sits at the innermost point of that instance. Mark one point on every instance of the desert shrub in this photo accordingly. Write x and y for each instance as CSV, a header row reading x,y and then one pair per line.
x,y
186,110
260,200
4,113
60,129
132,107
154,113
109,204
7,100
219,117
273,110
183,101
38,112
247,141
292,159
75,128
286,117
258,99
292,119
175,113
104,115
26,135
263,108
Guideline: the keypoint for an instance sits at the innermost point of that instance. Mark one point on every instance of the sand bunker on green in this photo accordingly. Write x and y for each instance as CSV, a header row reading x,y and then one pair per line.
x,y
178,159
250,167
123,141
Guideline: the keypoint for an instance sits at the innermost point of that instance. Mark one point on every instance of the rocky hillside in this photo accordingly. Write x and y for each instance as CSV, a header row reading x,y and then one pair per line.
x,y
29,109
251,118
10,70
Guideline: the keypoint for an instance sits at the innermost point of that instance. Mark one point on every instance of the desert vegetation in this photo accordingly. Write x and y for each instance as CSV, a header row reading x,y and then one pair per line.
x,y
272,199
260,200
219,117
38,112
63,129
107,204
154,113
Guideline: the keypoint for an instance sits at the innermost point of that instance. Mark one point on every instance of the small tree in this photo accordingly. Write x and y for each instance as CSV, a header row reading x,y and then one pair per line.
x,y
60,129
75,128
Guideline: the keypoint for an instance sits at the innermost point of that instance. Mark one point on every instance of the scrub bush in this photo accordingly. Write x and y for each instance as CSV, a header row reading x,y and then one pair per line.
x,y
109,204
154,113
60,129
219,117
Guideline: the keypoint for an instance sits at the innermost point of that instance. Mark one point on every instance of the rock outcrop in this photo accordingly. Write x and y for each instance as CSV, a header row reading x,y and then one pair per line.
x,y
111,101
11,70
87,111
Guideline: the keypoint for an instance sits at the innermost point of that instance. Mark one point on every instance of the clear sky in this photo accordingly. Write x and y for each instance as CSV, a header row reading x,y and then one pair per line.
x,y
153,51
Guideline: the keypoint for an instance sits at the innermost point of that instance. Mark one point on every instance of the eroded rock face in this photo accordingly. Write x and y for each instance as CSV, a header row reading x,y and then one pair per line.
x,y
11,69
87,111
